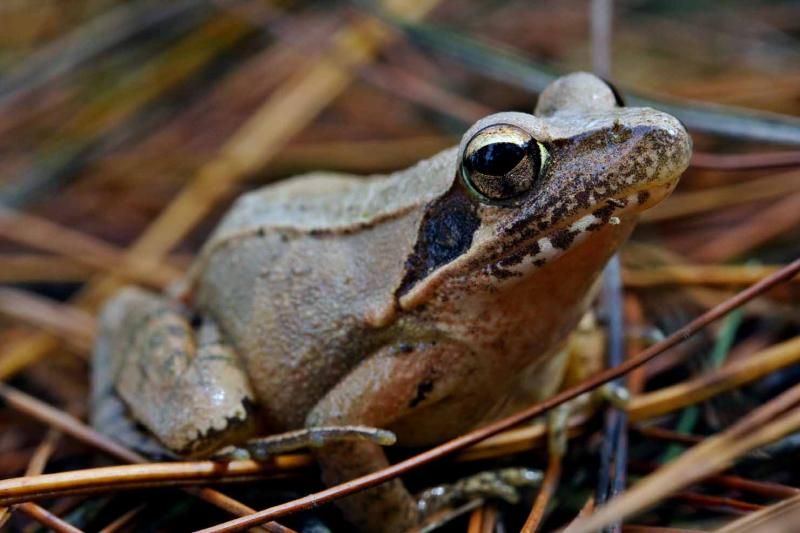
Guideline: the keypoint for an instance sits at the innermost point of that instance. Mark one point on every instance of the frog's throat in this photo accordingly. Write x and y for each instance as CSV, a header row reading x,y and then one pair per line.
x,y
531,255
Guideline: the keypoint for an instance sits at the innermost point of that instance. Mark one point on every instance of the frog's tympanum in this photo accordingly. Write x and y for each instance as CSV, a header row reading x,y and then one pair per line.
x,y
426,302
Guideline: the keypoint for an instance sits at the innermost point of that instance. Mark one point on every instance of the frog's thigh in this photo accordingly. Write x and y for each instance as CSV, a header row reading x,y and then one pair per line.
x,y
381,390
187,388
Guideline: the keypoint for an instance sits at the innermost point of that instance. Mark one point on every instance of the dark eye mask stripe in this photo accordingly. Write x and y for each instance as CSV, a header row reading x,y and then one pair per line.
x,y
445,233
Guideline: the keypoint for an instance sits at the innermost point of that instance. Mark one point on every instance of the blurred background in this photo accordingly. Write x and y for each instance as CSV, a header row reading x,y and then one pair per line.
x,y
128,128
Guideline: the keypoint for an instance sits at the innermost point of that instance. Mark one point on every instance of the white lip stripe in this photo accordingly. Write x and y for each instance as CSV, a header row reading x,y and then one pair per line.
x,y
583,223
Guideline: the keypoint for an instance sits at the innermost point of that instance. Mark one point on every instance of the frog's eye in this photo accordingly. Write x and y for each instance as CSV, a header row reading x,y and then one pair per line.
x,y
502,162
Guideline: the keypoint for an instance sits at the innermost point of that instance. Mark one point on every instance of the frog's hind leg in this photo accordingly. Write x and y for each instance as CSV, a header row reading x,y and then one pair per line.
x,y
186,387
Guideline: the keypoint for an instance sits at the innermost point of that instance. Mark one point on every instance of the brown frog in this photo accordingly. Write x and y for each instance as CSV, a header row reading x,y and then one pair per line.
x,y
425,302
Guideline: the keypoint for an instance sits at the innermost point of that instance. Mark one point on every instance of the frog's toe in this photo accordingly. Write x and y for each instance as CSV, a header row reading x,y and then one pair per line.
x,y
503,484
231,453
616,395
261,448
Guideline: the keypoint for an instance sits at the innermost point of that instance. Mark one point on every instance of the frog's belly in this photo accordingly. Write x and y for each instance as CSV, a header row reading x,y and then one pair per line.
x,y
483,402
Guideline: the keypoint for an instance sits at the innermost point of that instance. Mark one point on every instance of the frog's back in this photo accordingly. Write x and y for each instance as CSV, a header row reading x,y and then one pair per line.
x,y
327,202
300,269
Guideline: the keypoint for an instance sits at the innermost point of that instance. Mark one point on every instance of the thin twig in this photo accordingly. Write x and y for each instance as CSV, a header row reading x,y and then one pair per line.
x,y
92,480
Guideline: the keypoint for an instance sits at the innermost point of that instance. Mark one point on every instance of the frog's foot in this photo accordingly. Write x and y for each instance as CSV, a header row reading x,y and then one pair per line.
x,y
259,449
557,419
184,384
503,484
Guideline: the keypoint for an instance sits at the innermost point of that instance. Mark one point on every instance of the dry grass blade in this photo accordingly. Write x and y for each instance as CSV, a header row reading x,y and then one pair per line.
x,y
358,156
45,235
714,382
726,275
74,427
712,455
47,518
69,323
693,203
767,224
478,435
782,516
745,161
90,480
35,467
45,268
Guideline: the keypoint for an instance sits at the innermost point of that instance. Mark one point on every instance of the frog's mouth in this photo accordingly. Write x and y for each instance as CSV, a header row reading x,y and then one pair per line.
x,y
545,247
559,239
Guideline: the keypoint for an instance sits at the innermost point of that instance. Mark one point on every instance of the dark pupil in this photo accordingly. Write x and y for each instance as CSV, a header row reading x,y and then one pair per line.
x,y
496,159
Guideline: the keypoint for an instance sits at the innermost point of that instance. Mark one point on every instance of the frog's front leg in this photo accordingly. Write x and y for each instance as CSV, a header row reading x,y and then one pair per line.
x,y
186,387
394,389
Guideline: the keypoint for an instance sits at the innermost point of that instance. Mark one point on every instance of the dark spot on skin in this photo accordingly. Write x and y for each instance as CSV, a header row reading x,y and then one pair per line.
x,y
423,389
405,347
642,197
617,95
582,198
604,213
195,320
445,233
261,232
563,238
502,273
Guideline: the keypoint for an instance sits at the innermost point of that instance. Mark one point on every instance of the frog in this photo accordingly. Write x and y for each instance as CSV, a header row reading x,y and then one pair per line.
x,y
423,303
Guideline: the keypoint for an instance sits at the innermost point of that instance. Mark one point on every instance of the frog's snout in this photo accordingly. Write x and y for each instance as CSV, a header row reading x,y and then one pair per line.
x,y
664,149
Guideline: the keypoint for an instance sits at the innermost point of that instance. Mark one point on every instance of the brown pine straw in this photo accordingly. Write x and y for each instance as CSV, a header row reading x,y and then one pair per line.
x,y
548,488
719,503
693,203
727,275
772,421
72,426
780,217
716,381
457,444
44,235
782,516
45,517
103,479
745,161
67,322
36,466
